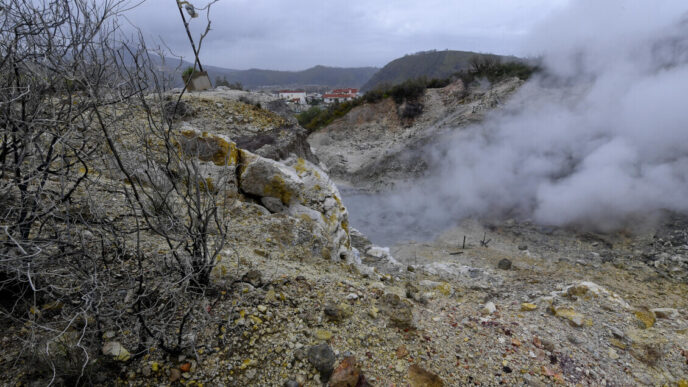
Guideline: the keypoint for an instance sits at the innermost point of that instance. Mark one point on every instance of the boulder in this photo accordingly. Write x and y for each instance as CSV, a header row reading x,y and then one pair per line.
x,y
116,351
305,191
322,358
346,374
586,290
504,264
575,319
268,178
257,122
359,241
419,377
489,308
400,312
337,313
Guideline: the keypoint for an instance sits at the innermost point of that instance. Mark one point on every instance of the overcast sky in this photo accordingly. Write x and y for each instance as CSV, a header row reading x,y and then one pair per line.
x,y
298,34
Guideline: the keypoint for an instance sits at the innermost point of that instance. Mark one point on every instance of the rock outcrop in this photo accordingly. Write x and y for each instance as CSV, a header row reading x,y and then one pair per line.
x,y
304,191
291,203
374,146
257,122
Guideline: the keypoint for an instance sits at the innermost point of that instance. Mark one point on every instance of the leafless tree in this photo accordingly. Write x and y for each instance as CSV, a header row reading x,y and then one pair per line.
x,y
108,223
480,64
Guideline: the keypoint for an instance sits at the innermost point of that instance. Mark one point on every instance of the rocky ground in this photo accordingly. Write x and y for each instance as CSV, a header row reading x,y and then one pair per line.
x,y
300,298
533,307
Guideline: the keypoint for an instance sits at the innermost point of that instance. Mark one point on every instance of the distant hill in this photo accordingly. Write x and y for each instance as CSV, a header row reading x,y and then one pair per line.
x,y
323,76
431,64
318,75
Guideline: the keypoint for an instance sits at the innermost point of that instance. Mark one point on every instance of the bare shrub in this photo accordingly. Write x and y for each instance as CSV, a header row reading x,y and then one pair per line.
x,y
107,231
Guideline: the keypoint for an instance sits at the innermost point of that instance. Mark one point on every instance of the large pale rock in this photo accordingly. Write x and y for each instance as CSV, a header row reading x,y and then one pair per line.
x,y
587,290
268,178
488,308
575,319
305,191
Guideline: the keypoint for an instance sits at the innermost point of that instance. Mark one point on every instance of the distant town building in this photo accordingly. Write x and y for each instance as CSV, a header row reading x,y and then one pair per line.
x,y
296,96
345,91
340,95
314,98
331,98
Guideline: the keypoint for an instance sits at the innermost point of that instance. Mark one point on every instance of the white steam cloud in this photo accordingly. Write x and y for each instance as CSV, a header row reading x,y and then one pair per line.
x,y
599,142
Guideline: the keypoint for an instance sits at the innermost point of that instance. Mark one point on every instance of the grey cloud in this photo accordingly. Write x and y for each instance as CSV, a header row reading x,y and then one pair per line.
x,y
299,34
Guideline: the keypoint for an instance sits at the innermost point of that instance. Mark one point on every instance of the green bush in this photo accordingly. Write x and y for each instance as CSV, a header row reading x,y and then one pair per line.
x,y
494,70
306,117
187,72
224,82
316,118
411,89
436,83
375,95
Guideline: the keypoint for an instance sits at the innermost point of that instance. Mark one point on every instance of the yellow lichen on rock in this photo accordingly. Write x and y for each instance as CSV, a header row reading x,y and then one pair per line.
x,y
617,343
646,318
248,363
300,166
226,153
568,313
444,288
339,201
188,133
580,290
208,147
306,218
207,185
345,226
277,188
322,334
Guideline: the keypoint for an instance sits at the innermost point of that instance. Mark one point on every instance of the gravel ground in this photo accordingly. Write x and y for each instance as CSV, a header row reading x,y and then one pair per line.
x,y
551,318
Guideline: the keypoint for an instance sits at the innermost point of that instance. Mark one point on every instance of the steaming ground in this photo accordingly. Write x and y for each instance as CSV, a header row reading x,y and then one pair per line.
x,y
599,141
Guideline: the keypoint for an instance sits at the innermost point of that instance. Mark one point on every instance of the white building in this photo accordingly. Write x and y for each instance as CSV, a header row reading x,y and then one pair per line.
x,y
296,96
331,98
351,91
340,95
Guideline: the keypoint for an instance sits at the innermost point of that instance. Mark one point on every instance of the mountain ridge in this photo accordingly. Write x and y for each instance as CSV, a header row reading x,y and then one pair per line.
x,y
430,64
318,75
